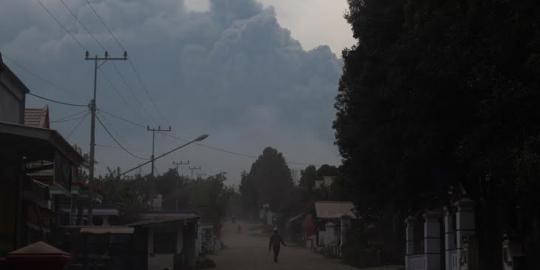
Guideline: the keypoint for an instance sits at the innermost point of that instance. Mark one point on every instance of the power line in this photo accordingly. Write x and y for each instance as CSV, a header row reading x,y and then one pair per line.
x,y
27,70
139,78
82,25
61,25
210,147
222,150
117,142
57,101
124,81
70,117
104,24
102,46
123,119
113,87
76,126
131,64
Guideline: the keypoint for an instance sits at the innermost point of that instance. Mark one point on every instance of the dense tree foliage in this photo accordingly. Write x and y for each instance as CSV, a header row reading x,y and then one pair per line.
x,y
208,196
268,181
444,93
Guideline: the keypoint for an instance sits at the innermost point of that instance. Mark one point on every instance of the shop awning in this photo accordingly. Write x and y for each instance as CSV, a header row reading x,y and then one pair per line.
x,y
33,144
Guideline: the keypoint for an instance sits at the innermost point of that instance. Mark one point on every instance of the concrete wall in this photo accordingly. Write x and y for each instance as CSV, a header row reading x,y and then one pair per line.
x,y
11,106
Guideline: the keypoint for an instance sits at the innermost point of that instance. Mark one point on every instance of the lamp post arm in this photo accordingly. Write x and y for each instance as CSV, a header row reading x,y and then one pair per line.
x,y
166,153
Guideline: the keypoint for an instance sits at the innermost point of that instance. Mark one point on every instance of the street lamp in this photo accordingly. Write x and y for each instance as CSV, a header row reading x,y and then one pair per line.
x,y
198,139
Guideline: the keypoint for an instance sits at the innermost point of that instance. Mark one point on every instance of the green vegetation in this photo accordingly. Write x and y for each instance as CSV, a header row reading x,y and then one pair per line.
x,y
208,196
439,94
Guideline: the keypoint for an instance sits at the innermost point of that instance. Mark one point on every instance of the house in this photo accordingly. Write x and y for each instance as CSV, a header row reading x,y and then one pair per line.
x,y
207,241
37,117
324,182
12,95
101,216
103,247
27,209
166,240
333,222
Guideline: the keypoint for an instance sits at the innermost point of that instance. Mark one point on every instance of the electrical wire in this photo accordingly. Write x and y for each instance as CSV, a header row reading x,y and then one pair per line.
x,y
61,25
118,142
141,82
57,101
70,117
131,64
123,119
70,11
113,87
82,25
207,146
76,126
104,24
85,28
27,70
127,85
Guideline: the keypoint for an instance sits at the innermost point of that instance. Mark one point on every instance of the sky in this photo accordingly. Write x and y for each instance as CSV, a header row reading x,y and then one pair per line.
x,y
250,74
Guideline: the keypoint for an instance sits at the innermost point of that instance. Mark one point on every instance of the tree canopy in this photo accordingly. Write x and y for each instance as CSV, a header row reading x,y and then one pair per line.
x,y
268,181
437,94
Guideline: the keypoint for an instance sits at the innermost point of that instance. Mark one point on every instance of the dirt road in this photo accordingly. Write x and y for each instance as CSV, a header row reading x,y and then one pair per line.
x,y
249,251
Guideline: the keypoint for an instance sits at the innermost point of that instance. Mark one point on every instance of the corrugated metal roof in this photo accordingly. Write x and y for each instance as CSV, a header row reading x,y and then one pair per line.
x,y
333,209
36,117
108,229
156,218
39,248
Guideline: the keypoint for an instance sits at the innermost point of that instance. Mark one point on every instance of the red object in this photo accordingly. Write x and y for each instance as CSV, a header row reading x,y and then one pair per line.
x,y
38,255
309,226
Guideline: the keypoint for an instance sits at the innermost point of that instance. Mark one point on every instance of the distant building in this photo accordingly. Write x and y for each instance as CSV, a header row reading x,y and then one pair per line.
x,y
333,222
166,240
325,182
37,117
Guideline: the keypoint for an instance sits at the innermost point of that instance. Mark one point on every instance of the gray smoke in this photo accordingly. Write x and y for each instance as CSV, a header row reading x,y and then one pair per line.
x,y
232,71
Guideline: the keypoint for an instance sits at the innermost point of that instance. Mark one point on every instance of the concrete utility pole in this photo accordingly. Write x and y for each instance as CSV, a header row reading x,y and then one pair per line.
x,y
154,130
193,169
178,164
98,62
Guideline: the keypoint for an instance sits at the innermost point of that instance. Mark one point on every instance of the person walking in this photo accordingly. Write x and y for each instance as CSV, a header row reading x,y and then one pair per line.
x,y
275,244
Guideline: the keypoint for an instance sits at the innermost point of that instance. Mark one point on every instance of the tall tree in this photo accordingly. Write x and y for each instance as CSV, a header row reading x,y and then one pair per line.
x,y
271,177
439,93
308,176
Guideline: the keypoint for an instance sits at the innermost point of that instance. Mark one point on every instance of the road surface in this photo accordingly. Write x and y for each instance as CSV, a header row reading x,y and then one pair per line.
x,y
249,251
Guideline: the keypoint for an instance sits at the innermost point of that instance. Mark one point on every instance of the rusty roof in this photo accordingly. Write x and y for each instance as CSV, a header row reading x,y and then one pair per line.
x,y
36,117
334,209
39,248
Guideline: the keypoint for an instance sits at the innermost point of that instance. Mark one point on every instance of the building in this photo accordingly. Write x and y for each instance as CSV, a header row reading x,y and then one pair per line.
x,y
28,203
166,240
332,219
37,117
12,95
324,182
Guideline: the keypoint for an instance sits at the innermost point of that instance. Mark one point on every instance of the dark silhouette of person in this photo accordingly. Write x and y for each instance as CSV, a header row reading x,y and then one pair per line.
x,y
275,244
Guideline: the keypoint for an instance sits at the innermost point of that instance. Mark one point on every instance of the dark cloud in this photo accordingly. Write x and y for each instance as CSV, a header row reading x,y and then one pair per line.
x,y
232,71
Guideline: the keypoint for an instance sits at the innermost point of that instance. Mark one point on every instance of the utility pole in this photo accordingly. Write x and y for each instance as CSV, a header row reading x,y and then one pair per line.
x,y
98,62
178,164
154,130
192,169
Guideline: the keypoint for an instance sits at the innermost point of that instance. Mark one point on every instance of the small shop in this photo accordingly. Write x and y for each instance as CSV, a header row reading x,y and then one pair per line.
x,y
166,240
